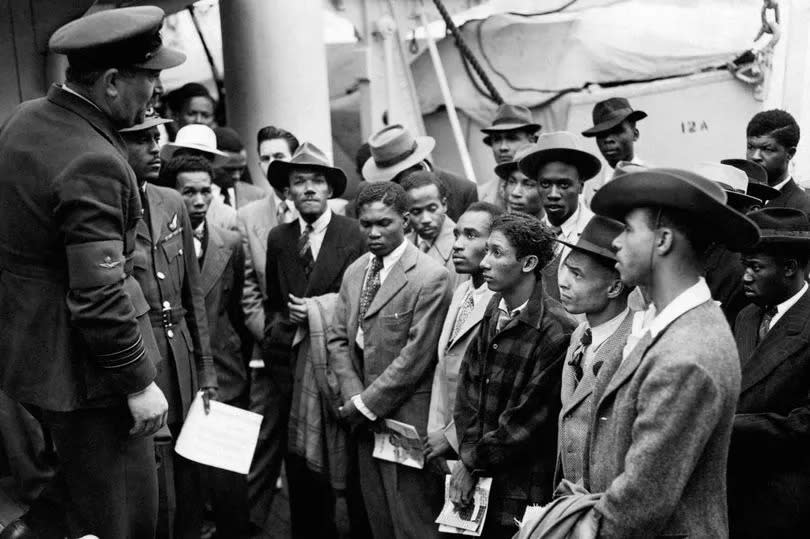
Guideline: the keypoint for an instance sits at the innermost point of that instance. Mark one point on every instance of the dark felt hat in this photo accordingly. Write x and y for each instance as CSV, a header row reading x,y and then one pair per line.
x,y
307,156
782,225
559,146
509,118
125,37
597,237
757,178
681,190
611,112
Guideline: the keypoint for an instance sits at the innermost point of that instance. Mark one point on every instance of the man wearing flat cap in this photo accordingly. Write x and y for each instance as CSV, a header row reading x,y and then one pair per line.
x,y
396,153
658,441
305,263
769,456
77,346
511,129
560,169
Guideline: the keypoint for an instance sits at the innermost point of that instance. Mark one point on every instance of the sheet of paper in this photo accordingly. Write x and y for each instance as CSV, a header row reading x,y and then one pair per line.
x,y
468,521
225,438
399,442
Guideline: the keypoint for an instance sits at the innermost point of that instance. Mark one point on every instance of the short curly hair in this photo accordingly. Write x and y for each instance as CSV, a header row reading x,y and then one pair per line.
x,y
180,164
779,124
528,236
389,193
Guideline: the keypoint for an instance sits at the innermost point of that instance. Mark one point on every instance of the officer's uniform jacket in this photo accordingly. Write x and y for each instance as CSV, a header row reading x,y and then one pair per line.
x,y
166,268
72,327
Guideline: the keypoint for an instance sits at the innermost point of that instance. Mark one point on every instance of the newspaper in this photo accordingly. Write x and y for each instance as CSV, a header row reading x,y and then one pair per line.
x,y
469,520
399,442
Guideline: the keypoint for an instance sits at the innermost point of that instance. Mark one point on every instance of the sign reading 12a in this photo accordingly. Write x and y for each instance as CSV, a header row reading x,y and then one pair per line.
x,y
691,126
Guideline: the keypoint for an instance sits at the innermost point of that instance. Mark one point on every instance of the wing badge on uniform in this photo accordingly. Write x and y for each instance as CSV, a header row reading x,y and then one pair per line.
x,y
108,263
173,223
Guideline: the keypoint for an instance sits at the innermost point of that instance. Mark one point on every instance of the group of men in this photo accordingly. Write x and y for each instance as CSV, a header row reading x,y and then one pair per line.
x,y
632,356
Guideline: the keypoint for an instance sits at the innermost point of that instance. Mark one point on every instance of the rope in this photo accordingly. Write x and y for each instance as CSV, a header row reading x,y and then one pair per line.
x,y
467,53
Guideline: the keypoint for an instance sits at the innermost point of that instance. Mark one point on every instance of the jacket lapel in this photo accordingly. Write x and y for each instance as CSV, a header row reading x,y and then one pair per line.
x,y
626,369
745,332
216,258
327,265
267,220
474,318
445,240
395,280
780,342
157,214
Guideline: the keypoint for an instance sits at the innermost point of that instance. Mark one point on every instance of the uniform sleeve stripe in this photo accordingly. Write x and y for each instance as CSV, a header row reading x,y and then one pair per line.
x,y
124,357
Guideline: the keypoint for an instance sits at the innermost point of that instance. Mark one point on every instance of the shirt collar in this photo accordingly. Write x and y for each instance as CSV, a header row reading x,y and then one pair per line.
x,y
783,307
783,183
393,257
600,333
635,161
571,224
687,300
514,312
320,223
70,90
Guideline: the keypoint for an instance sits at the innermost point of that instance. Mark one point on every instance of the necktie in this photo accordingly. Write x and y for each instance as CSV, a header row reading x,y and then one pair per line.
x,y
305,251
767,315
463,313
579,354
371,287
226,196
283,213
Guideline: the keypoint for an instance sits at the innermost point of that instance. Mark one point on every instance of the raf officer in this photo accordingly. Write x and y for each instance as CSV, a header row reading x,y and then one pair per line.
x,y
76,345
167,270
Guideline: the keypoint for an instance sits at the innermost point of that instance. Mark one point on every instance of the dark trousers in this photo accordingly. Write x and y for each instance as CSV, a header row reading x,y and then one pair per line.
x,y
270,397
181,497
106,480
312,501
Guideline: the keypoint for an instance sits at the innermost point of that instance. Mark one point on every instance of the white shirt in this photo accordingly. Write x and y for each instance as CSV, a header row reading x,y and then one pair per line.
x,y
635,161
783,183
388,262
318,232
570,229
785,306
600,333
514,312
290,214
198,246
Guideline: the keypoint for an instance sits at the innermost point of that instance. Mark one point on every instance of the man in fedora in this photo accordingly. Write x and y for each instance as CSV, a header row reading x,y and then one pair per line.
x,y
591,286
520,193
396,153
560,169
769,457
772,137
232,182
77,348
757,181
511,129
305,259
658,440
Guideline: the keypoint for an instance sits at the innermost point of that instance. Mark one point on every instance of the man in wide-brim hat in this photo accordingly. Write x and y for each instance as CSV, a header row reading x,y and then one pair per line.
x,y
769,455
195,139
306,157
657,447
396,153
614,126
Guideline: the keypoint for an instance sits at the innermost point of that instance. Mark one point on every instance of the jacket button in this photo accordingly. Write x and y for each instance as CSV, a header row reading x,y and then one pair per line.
x,y
170,334
161,275
179,251
495,346
167,305
603,418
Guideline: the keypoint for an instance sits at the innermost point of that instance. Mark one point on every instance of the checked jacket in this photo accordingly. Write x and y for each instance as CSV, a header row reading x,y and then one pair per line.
x,y
508,402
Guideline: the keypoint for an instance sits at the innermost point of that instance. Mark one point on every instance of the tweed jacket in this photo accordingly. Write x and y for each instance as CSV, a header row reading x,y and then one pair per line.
x,y
769,457
791,196
343,243
442,250
166,267
577,398
75,333
221,276
451,354
401,330
508,402
660,429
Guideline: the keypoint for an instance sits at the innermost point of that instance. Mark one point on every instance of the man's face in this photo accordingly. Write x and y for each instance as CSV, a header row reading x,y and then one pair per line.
x,y
133,92
197,110
232,171
501,268
584,284
504,144
309,192
427,211
143,153
617,144
196,190
471,232
559,189
272,149
634,248
521,193
764,279
383,226
768,153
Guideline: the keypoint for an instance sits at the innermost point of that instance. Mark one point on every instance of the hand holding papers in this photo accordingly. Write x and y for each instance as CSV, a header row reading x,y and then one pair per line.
x,y
224,438
398,442
468,520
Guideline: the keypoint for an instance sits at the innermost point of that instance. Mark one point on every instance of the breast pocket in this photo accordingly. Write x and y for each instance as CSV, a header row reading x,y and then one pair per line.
x,y
172,248
395,325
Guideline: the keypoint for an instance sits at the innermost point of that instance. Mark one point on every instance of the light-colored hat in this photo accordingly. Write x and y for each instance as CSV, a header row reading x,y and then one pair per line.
x,y
195,137
150,119
393,150
757,178
559,146
307,156
731,179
